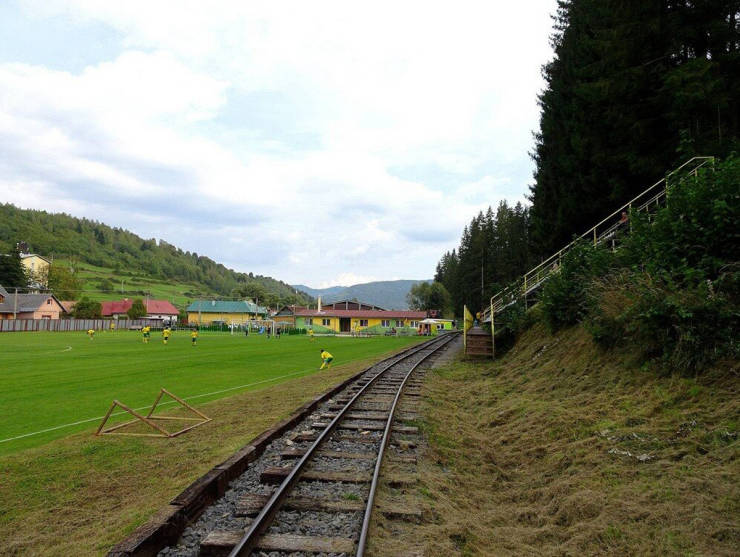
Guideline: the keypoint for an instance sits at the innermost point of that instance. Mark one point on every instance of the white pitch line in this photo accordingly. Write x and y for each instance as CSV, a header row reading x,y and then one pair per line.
x,y
67,349
163,404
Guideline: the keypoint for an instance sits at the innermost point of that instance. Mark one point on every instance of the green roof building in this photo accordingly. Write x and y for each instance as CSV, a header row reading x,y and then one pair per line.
x,y
205,312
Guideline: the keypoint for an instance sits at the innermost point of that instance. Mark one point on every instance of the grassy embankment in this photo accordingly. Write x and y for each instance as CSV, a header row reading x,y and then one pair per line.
x,y
560,448
79,495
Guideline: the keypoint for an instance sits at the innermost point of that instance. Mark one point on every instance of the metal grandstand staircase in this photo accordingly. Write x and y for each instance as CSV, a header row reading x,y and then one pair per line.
x,y
607,231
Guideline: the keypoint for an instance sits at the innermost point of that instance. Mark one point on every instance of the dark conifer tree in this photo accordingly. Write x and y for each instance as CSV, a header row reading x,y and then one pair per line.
x,y
493,251
12,273
635,89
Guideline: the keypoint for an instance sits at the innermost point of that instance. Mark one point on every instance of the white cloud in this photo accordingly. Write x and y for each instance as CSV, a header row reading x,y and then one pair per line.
x,y
387,85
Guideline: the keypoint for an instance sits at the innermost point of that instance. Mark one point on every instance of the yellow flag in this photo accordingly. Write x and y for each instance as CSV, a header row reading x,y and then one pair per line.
x,y
467,318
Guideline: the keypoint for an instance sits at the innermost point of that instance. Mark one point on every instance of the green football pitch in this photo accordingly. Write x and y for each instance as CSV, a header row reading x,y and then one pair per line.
x,y
54,384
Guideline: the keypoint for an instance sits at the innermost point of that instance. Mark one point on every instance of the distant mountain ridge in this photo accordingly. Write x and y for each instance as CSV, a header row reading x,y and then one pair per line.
x,y
388,294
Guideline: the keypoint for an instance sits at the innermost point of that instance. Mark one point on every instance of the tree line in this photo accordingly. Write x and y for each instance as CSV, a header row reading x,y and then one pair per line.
x,y
493,251
634,90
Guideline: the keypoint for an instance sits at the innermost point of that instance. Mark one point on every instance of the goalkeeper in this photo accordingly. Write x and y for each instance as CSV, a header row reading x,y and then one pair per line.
x,y
327,358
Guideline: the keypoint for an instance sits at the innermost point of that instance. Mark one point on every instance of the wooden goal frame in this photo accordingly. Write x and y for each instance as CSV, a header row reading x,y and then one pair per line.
x,y
151,420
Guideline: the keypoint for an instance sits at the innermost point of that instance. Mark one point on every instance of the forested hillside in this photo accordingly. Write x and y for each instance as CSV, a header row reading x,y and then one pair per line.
x,y
63,236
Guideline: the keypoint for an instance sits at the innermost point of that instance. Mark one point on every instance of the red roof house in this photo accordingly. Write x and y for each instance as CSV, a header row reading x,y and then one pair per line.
x,y
155,309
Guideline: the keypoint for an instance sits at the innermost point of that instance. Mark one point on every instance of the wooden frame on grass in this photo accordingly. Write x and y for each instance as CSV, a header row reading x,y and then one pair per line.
x,y
151,420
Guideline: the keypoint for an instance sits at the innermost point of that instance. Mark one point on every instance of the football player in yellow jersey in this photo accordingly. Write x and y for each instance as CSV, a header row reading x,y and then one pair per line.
x,y
145,333
310,335
327,359
194,336
166,332
91,333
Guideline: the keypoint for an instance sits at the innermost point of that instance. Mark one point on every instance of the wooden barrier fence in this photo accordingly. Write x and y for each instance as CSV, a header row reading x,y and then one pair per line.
x,y
56,325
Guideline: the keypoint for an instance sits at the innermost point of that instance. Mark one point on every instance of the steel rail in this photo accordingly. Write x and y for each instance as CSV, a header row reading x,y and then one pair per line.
x,y
260,524
383,444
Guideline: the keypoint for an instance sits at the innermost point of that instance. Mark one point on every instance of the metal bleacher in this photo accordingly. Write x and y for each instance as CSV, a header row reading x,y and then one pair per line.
x,y
608,230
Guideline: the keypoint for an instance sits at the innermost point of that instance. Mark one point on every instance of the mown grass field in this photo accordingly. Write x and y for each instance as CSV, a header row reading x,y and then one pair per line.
x,y
48,380
80,494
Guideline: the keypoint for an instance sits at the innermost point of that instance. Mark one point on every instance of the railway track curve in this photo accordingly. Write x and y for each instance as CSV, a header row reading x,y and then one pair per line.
x,y
313,489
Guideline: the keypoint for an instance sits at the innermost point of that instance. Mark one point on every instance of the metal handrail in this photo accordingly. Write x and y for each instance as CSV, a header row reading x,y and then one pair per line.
x,y
533,278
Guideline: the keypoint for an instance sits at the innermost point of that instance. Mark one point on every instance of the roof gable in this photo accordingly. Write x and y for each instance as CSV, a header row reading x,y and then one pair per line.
x,y
161,307
155,307
29,255
26,303
351,304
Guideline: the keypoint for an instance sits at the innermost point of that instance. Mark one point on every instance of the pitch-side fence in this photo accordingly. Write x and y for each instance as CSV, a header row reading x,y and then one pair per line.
x,y
21,325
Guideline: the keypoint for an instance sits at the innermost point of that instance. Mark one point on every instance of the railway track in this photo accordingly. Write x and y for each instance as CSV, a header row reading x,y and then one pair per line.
x,y
312,491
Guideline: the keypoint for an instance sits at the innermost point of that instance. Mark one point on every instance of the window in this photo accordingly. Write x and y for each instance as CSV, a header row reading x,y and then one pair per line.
x,y
399,323
309,321
414,324
326,322
385,323
363,322
48,302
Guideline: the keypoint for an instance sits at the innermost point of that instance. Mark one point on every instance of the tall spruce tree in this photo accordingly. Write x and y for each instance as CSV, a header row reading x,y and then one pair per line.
x,y
634,89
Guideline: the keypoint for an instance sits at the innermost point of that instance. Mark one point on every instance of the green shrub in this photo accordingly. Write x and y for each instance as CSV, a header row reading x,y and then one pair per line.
x,y
685,329
87,309
681,328
696,233
511,323
675,295
565,297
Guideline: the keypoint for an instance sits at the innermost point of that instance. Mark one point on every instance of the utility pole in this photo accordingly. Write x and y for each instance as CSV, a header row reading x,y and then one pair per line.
x,y
481,278
15,304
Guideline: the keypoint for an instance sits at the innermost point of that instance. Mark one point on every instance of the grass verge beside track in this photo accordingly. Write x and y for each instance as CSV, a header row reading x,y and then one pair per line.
x,y
80,495
562,449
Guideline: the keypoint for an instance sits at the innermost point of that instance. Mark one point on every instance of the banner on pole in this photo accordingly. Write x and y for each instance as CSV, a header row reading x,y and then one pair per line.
x,y
467,318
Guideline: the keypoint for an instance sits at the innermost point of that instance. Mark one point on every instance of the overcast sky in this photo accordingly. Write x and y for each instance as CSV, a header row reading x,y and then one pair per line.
x,y
321,143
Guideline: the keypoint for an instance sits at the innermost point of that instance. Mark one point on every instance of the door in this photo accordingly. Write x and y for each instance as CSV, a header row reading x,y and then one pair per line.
x,y
344,324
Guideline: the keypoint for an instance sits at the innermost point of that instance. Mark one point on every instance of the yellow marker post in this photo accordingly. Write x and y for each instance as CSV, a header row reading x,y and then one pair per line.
x,y
493,333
